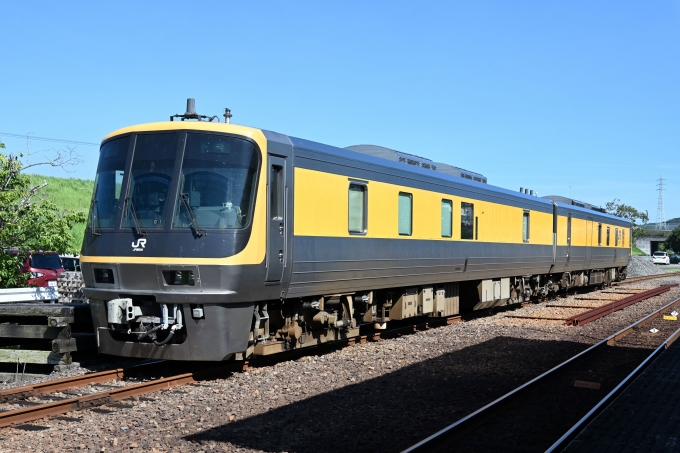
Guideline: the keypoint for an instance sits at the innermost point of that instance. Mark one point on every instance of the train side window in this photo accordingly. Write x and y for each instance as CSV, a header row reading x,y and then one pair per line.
x,y
276,192
476,228
405,214
616,237
447,218
599,234
569,229
357,219
467,216
525,226
607,236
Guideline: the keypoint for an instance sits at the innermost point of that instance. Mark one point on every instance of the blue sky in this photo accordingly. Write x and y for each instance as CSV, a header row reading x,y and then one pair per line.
x,y
544,95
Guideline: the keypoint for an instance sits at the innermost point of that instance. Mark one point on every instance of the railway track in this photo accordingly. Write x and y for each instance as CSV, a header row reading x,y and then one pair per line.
x,y
547,412
646,277
52,398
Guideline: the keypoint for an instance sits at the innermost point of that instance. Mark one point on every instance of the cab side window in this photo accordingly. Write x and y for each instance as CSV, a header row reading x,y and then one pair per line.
x,y
357,221
525,226
467,220
405,214
447,218
599,234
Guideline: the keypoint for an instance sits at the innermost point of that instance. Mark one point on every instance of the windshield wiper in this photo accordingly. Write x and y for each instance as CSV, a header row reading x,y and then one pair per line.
x,y
135,216
184,198
93,203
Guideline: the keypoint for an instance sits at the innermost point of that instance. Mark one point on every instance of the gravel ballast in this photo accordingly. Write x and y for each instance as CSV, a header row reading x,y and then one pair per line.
x,y
641,266
381,396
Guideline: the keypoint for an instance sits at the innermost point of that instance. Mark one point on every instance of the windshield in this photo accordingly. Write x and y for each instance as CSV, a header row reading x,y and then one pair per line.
x,y
218,182
152,166
108,181
70,264
659,253
45,261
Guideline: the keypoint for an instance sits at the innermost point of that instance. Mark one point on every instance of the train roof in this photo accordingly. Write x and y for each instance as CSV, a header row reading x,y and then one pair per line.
x,y
417,161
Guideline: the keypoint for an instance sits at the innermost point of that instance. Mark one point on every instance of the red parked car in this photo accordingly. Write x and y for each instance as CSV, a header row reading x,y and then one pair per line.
x,y
44,267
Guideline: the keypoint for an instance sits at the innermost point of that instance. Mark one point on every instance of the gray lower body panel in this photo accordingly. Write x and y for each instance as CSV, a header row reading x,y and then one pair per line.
x,y
324,265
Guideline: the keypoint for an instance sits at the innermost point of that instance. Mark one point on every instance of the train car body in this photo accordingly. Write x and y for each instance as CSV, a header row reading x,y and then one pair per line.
x,y
209,241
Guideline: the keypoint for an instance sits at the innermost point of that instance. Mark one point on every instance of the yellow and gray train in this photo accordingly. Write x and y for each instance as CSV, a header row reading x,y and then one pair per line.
x,y
213,241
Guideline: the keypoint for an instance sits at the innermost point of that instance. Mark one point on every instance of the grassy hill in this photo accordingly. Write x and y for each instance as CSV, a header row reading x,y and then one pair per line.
x,y
68,193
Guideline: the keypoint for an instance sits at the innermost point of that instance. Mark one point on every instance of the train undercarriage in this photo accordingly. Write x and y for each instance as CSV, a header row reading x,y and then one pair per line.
x,y
287,324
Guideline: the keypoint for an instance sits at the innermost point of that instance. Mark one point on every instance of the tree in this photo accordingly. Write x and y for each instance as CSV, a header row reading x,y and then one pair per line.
x,y
28,221
673,241
637,218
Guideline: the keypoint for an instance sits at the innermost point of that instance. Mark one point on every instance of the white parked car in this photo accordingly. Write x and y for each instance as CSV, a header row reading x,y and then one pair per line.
x,y
661,258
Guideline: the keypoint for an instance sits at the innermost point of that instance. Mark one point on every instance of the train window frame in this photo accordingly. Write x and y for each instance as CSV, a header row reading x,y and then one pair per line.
x,y
405,196
526,226
467,210
363,187
599,235
608,234
449,203
616,237
103,186
569,229
276,191
130,216
193,158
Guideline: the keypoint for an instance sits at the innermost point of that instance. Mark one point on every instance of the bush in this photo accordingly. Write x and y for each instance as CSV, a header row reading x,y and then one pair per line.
x,y
673,241
28,221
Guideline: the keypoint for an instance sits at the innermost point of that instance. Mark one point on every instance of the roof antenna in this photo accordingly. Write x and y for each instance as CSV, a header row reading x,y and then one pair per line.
x,y
191,114
227,116
191,108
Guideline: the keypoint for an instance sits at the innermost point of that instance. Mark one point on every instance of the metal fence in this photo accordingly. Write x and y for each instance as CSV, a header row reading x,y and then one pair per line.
x,y
28,295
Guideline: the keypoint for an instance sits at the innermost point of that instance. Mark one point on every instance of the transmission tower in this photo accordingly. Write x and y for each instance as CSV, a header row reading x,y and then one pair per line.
x,y
660,221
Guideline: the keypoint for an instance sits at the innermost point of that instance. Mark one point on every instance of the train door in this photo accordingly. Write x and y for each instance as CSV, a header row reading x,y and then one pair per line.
x,y
277,187
568,238
589,241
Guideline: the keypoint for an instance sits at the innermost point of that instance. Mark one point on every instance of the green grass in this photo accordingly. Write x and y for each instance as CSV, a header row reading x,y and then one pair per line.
x,y
638,252
68,193
672,271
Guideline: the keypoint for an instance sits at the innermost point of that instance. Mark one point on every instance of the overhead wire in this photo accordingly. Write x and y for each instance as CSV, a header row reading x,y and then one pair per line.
x,y
46,139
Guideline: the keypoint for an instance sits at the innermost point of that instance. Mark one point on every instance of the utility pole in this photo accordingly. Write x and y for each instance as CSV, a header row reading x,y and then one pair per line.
x,y
660,221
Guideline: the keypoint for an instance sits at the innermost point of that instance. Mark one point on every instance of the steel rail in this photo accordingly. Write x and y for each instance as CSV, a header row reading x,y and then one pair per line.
x,y
71,382
61,384
647,277
31,413
599,312
52,409
442,437
574,431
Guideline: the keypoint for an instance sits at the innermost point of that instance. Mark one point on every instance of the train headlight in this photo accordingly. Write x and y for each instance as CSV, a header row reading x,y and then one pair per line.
x,y
179,278
103,276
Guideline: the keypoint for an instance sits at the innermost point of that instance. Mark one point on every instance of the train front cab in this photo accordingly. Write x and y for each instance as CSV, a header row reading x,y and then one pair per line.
x,y
189,269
